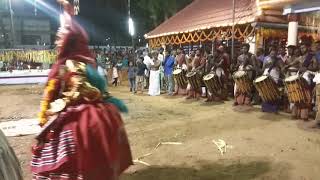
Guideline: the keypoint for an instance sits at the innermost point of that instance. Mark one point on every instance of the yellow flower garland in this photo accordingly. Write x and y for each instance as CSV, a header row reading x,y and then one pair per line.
x,y
45,103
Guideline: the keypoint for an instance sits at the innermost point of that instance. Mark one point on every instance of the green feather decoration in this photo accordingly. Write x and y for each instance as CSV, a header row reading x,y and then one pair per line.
x,y
99,82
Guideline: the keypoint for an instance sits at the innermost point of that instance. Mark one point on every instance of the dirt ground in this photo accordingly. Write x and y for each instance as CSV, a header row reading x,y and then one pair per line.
x,y
264,146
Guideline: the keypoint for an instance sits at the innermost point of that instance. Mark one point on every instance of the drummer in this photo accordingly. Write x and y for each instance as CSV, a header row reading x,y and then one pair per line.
x,y
189,69
198,66
308,65
293,62
168,65
272,66
290,68
209,68
244,63
222,64
218,63
180,63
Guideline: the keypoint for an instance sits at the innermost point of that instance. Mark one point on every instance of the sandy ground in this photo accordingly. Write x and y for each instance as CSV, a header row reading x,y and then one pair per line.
x,y
264,146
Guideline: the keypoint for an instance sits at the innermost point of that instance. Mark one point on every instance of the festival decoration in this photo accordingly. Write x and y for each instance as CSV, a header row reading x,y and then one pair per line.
x,y
38,56
283,33
241,33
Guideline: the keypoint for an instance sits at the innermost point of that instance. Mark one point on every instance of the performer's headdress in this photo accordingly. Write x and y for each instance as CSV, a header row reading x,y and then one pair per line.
x,y
72,40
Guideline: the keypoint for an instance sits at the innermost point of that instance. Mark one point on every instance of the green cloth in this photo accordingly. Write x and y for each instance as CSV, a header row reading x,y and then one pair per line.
x,y
100,82
125,63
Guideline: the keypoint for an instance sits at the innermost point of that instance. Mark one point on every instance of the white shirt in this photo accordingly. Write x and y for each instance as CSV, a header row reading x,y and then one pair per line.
x,y
101,71
114,72
316,78
161,57
147,61
274,73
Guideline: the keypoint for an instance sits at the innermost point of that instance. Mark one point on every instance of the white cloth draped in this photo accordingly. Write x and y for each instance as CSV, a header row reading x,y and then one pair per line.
x,y
219,72
154,83
306,77
274,73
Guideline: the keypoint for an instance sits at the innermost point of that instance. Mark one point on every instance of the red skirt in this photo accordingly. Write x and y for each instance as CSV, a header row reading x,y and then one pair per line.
x,y
86,142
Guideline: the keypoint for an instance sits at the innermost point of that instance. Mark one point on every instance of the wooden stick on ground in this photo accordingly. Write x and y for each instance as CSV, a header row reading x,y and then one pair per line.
x,y
141,162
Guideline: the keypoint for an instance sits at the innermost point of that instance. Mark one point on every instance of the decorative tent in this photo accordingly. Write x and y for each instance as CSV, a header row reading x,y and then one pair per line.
x,y
208,20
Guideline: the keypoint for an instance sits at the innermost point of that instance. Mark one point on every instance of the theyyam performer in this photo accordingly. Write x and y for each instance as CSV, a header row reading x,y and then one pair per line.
x,y
83,135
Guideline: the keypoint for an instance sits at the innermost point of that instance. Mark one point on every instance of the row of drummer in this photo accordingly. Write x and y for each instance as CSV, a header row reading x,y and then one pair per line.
x,y
284,79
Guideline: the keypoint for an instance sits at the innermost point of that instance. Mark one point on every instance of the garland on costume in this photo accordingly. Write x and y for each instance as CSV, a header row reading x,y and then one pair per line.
x,y
45,103
39,56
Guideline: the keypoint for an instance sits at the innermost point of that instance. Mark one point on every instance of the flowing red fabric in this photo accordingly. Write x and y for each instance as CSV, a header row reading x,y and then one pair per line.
x,y
86,142
72,43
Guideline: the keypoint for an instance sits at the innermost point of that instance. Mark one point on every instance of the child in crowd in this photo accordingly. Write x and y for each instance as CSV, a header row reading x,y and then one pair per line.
x,y
141,67
115,75
132,70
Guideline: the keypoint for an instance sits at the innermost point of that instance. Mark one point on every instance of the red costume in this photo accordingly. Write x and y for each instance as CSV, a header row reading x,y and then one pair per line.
x,y
85,138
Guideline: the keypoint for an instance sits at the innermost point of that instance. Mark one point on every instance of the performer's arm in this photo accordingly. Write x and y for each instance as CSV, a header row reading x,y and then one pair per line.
x,y
202,64
313,66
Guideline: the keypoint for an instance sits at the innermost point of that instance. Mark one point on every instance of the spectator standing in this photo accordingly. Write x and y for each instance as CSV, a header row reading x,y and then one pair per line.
x,y
132,70
168,64
141,68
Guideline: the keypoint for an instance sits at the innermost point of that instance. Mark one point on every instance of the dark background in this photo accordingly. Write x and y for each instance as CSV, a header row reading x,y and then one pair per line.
x,y
105,19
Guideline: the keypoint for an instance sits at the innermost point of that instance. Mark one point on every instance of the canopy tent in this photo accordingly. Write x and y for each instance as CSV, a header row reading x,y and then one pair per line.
x,y
206,14
207,20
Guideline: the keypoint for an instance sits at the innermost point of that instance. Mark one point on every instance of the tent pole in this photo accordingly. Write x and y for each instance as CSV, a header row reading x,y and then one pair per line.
x,y
233,27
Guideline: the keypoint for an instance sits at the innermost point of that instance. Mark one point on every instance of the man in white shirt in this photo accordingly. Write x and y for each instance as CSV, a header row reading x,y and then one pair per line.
x,y
148,62
161,59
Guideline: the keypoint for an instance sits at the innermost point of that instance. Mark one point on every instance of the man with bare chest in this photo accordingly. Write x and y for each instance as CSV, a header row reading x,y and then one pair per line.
x,y
180,64
198,66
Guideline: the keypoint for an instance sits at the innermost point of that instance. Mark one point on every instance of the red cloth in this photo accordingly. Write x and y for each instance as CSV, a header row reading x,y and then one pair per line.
x,y
72,43
86,142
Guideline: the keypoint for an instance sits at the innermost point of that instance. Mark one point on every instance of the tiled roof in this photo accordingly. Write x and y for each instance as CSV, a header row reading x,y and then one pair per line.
x,y
205,14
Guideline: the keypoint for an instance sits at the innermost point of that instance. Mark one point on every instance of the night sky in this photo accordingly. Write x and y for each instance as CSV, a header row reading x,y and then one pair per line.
x,y
102,20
